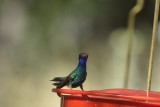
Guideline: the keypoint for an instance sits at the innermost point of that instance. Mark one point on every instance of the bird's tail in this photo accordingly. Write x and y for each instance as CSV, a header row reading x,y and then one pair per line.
x,y
58,81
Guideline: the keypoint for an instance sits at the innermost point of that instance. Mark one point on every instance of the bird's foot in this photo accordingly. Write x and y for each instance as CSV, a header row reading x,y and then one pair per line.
x,y
81,86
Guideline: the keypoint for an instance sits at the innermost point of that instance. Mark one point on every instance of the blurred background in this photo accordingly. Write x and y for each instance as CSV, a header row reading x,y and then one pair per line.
x,y
41,39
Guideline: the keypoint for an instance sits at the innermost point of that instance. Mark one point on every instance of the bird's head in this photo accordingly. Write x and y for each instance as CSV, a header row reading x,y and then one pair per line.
x,y
83,57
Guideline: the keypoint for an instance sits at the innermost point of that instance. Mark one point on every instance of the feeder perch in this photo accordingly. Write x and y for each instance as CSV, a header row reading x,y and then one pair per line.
x,y
108,98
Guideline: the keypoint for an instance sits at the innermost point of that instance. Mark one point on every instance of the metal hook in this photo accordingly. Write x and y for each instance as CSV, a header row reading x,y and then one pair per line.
x,y
130,28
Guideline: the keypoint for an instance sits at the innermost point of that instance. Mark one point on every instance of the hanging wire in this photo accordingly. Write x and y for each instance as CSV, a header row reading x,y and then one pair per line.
x,y
130,29
153,44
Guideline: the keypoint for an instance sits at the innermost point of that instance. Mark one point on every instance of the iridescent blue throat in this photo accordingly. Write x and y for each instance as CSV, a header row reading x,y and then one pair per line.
x,y
82,61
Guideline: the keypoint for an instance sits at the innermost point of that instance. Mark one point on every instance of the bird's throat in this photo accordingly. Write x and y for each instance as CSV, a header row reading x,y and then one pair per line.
x,y
82,62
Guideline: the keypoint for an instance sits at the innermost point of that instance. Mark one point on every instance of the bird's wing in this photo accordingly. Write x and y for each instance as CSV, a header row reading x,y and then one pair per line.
x,y
67,80
73,75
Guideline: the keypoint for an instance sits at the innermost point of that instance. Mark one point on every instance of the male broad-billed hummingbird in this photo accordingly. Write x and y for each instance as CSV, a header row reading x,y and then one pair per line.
x,y
76,77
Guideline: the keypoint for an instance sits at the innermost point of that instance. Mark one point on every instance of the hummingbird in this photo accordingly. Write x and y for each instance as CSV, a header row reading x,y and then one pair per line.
x,y
76,77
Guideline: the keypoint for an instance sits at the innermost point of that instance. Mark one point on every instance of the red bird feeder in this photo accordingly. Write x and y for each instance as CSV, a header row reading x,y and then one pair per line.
x,y
108,98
